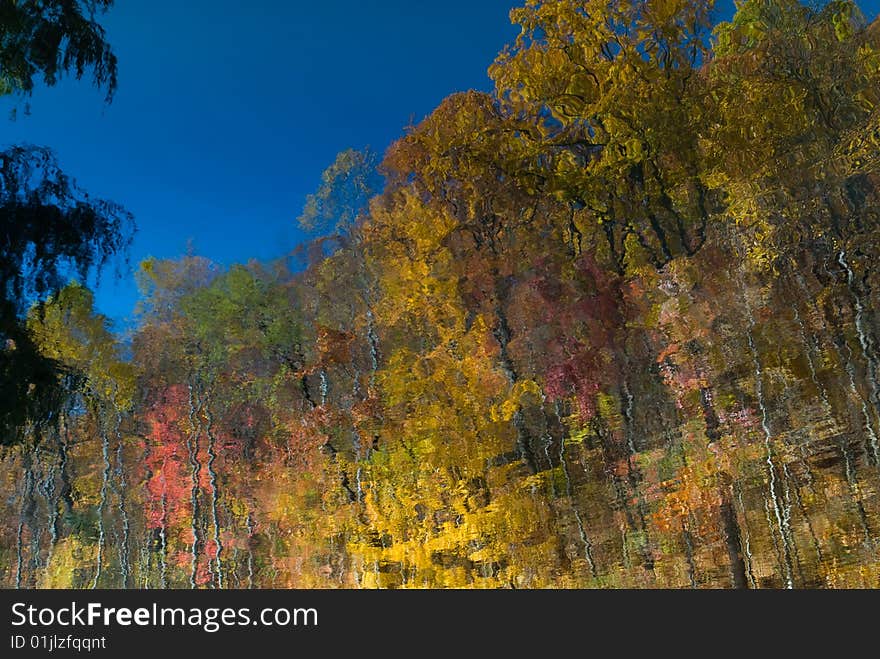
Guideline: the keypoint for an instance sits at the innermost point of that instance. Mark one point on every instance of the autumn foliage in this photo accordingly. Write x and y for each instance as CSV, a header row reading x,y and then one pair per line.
x,y
610,325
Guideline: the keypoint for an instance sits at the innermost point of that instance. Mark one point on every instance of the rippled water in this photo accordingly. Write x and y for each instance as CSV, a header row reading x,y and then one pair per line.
x,y
739,448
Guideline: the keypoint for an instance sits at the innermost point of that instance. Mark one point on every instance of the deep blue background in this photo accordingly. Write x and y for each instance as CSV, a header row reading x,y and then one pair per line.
x,y
228,111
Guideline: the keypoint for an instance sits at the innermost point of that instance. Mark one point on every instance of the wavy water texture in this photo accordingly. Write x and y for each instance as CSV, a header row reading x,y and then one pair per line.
x,y
613,325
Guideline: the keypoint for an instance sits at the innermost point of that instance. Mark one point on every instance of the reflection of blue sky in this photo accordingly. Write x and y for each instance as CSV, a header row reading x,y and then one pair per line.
x,y
227,112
